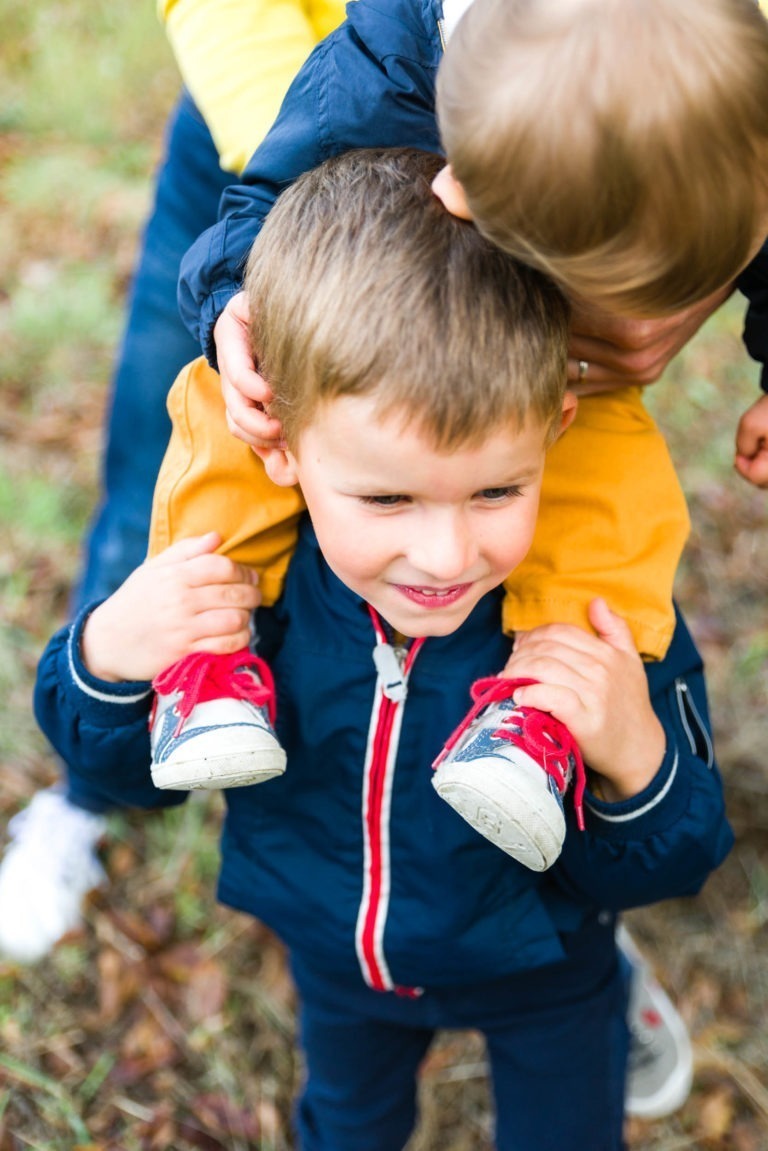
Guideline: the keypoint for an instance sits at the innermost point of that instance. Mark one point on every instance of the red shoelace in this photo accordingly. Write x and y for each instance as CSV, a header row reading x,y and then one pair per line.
x,y
201,677
535,732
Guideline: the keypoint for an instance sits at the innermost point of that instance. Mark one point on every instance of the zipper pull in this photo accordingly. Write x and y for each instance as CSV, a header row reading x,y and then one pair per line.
x,y
390,672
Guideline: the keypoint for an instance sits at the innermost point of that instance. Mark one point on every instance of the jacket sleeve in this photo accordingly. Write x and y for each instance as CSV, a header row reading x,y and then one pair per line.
x,y
753,282
99,729
347,95
664,842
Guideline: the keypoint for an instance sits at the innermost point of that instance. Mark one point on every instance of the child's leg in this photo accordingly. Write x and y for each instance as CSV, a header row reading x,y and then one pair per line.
x,y
360,1090
558,1071
211,481
612,523
212,724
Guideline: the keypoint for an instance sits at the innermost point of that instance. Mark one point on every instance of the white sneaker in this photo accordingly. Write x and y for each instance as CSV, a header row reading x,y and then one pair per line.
x,y
211,724
506,769
48,868
660,1069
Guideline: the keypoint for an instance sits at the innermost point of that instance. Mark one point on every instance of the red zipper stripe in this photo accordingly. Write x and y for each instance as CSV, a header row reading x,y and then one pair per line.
x,y
376,827
381,755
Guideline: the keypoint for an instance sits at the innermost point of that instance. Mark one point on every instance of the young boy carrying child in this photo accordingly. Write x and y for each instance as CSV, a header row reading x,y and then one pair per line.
x,y
418,434
668,149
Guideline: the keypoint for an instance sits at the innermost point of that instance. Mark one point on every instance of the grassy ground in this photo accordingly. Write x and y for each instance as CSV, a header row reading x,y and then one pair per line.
x,y
169,1022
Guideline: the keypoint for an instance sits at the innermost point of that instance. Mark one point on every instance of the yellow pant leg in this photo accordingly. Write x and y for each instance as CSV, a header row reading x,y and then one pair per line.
x,y
612,522
210,481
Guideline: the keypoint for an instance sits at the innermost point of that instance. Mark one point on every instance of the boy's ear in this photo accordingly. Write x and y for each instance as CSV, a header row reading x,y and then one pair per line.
x,y
451,193
570,407
280,466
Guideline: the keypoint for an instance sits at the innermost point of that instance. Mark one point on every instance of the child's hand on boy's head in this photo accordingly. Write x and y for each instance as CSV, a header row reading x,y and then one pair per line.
x,y
619,351
596,686
183,600
751,459
245,392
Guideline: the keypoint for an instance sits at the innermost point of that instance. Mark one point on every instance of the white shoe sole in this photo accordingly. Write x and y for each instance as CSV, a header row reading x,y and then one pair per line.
x,y
676,1087
217,772
502,800
665,1101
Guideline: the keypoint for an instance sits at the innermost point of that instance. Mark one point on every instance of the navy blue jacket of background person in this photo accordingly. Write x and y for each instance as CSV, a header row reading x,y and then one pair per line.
x,y
351,856
371,83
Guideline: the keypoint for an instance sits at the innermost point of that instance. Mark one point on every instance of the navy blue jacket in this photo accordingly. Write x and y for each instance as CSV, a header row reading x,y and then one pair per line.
x,y
371,83
352,857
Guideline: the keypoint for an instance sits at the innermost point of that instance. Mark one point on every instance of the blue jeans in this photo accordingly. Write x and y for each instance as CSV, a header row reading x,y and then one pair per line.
x,y
155,347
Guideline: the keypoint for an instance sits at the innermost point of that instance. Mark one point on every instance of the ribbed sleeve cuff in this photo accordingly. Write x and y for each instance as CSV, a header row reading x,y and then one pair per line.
x,y
101,703
652,811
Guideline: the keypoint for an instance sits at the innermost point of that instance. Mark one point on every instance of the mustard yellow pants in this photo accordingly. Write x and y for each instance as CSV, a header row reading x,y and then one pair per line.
x,y
612,519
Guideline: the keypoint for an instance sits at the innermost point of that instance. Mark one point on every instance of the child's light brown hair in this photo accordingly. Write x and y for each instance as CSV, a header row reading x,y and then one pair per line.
x,y
620,145
360,282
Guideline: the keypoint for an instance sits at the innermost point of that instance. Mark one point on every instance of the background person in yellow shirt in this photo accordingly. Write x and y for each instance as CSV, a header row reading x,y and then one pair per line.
x,y
237,58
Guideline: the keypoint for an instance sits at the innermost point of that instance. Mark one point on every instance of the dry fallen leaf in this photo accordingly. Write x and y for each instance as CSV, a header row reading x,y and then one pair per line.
x,y
715,1114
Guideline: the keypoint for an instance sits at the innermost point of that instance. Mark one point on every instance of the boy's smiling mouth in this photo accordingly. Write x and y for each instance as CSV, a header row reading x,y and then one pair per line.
x,y
433,597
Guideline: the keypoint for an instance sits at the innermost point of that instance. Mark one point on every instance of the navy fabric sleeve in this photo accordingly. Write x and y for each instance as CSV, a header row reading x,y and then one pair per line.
x,y
663,843
753,282
369,84
99,729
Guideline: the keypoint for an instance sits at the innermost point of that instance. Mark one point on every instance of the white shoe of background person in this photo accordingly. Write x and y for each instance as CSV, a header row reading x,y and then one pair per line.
x,y
49,866
660,1070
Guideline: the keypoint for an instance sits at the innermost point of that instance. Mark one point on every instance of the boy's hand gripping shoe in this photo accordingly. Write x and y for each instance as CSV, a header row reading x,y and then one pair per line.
x,y
211,723
505,769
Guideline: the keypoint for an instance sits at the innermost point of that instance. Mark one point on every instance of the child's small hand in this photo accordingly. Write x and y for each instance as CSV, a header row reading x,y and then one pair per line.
x,y
185,599
245,392
751,460
596,685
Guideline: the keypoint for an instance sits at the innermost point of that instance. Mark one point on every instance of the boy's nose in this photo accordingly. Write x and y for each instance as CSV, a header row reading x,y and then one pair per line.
x,y
443,548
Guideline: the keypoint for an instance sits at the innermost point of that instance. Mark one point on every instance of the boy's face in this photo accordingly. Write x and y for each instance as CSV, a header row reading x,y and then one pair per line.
x,y
421,535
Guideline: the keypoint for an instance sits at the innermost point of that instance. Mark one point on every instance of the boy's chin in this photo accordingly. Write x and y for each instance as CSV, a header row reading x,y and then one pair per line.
x,y
426,625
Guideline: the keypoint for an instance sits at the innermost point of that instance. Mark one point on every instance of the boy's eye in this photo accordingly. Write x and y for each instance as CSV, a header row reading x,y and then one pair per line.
x,y
494,495
384,501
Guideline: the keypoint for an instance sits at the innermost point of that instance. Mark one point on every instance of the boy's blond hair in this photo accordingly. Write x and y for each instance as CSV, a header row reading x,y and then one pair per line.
x,y
361,283
619,145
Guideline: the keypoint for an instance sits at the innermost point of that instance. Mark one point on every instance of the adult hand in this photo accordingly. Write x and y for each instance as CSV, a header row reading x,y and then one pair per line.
x,y
246,394
619,351
185,599
597,687
751,460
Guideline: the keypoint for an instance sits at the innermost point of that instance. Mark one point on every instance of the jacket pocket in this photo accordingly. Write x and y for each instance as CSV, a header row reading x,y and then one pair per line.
x,y
695,729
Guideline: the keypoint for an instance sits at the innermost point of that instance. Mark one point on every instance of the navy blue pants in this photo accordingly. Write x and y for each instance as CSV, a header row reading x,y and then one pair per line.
x,y
556,1040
